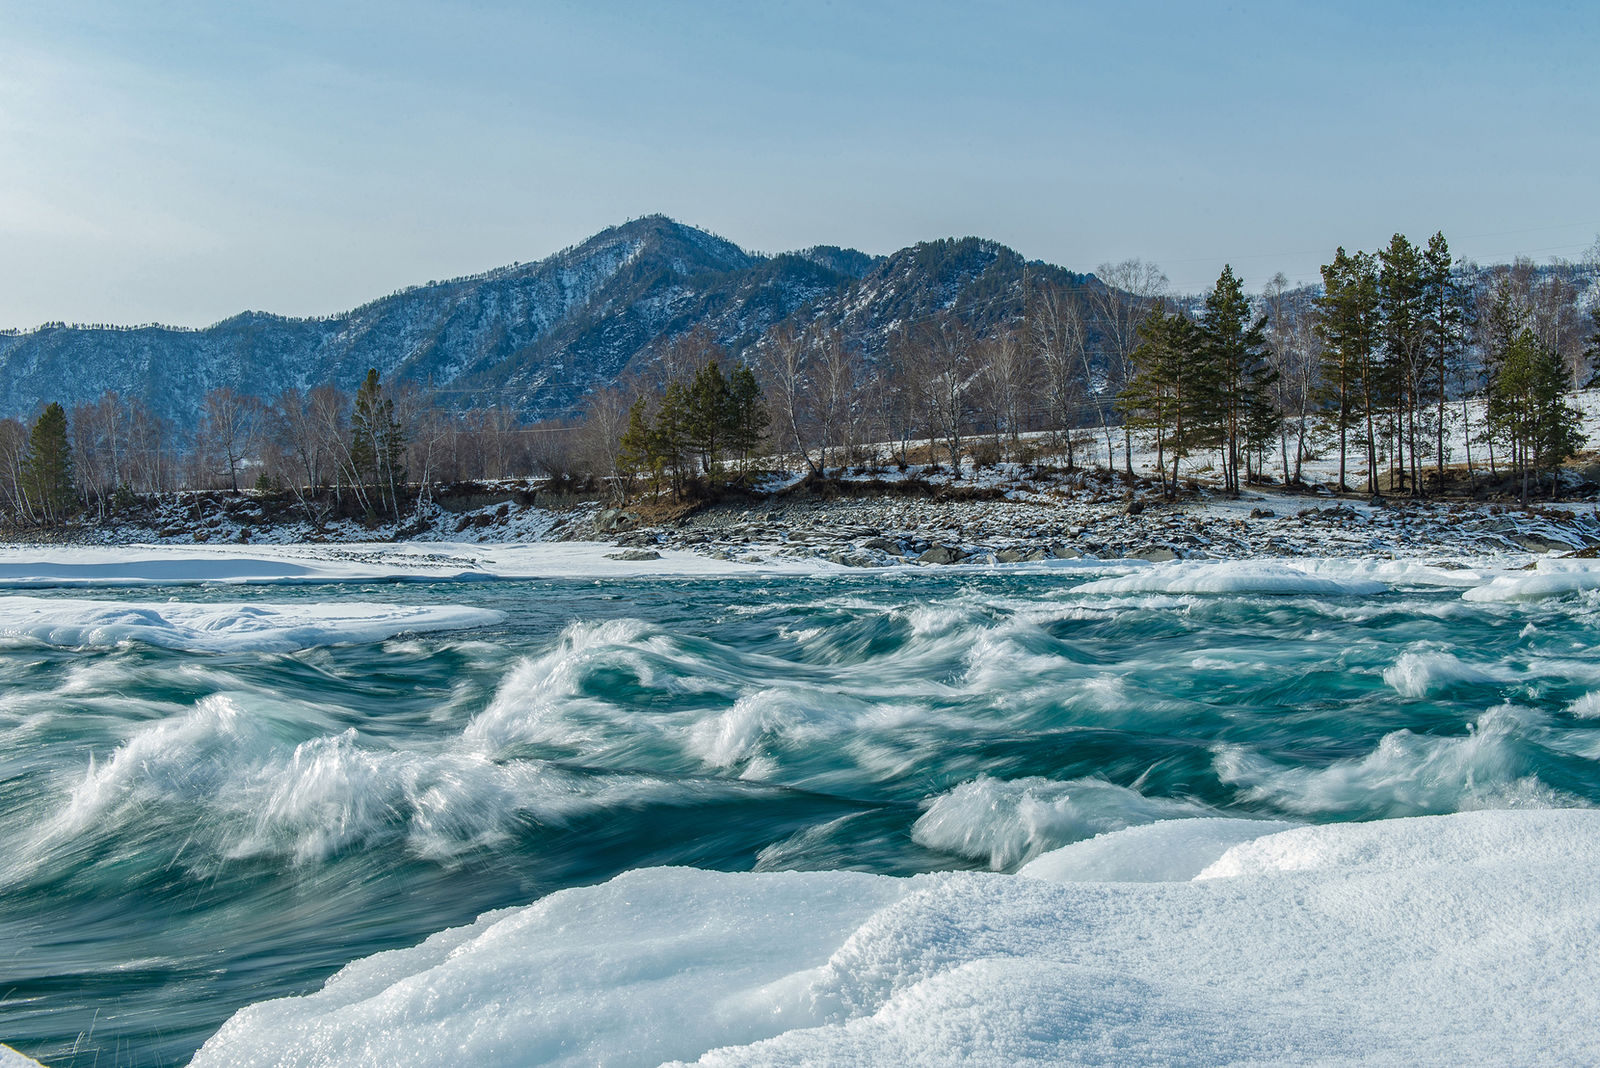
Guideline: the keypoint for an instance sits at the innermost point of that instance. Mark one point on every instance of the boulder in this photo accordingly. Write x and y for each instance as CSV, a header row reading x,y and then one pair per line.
x,y
941,554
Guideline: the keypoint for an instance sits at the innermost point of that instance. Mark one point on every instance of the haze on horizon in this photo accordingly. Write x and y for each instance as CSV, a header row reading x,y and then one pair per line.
x,y
184,164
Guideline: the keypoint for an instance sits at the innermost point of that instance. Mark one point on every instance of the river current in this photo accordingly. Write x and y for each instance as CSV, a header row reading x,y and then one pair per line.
x,y
186,832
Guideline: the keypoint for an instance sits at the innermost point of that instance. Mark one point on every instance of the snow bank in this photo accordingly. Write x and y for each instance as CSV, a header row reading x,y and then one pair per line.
x,y
23,566
1550,578
1232,577
224,628
1169,851
1455,939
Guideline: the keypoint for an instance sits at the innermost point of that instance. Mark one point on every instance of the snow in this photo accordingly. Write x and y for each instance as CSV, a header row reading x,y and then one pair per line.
x,y
1550,578
10,1058
30,566
223,628
1453,939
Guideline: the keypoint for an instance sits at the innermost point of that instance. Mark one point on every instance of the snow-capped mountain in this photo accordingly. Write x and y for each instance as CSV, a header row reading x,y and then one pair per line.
x,y
536,336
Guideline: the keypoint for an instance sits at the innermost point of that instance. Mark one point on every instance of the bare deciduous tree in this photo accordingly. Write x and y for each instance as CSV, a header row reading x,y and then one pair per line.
x,y
1060,342
1126,294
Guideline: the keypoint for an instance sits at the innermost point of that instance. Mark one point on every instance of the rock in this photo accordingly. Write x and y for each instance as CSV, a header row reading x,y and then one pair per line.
x,y
1537,543
611,520
1012,556
634,554
1134,507
882,545
941,554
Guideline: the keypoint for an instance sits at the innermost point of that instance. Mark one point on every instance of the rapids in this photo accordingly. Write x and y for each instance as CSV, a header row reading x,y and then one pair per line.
x,y
190,825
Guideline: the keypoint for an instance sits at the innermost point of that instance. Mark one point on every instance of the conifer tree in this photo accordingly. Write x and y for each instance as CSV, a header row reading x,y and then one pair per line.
x,y
1591,354
1169,392
1528,410
707,415
635,453
1402,309
669,434
749,419
1233,345
1444,319
377,445
1347,316
47,483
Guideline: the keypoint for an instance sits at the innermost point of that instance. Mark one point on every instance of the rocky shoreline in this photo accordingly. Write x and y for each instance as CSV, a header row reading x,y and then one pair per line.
x,y
884,532
870,526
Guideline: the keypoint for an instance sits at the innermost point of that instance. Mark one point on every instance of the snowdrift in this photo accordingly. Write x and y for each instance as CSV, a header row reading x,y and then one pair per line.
x,y
1451,939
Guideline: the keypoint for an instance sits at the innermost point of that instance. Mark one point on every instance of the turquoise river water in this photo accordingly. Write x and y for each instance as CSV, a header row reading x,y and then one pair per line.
x,y
183,833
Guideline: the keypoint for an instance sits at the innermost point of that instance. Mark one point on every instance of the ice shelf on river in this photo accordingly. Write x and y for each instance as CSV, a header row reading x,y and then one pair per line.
x,y
1452,939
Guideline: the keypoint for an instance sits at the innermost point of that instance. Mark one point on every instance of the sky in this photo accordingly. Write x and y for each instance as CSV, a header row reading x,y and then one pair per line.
x,y
183,161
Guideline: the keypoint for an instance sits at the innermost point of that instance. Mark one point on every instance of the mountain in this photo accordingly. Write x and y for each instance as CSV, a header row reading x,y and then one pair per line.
x,y
536,336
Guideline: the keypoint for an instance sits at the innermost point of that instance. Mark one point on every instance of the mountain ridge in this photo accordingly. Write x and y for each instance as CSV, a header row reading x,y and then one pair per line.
x,y
534,336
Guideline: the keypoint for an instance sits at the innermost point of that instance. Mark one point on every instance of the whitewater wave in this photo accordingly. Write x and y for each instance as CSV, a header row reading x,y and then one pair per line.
x,y
224,628
1246,578
1006,822
1419,672
1491,766
227,773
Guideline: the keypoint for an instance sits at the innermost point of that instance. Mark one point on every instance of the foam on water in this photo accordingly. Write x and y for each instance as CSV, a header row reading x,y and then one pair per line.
x,y
1408,774
1239,577
216,628
238,784
1420,672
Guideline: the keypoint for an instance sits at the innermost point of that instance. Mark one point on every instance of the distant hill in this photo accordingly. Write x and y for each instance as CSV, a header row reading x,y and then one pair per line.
x,y
536,336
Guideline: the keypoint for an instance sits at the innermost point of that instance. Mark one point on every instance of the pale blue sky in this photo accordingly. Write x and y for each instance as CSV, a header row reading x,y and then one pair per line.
x,y
183,161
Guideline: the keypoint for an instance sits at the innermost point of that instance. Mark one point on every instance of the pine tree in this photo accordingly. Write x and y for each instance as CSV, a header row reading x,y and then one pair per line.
x,y
377,445
1591,354
634,453
1234,348
707,415
1347,316
47,482
1402,309
1527,409
1170,392
1444,319
748,417
669,434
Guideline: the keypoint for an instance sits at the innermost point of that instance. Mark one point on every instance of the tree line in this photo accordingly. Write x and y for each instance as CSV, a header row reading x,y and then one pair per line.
x,y
1378,364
